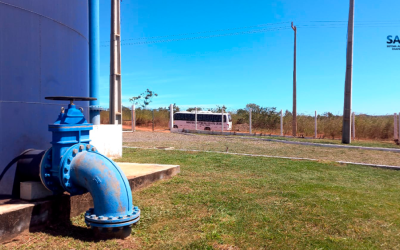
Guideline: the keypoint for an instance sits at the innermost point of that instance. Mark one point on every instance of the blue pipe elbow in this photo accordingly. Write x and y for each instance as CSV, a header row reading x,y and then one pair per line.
x,y
104,180
83,169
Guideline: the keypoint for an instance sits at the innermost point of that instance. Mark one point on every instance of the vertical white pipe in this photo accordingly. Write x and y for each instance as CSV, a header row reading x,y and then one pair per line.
x,y
354,126
250,111
222,120
133,118
395,131
315,126
195,117
281,122
171,117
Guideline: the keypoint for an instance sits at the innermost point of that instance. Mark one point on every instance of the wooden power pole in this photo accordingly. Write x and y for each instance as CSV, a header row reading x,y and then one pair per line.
x,y
294,123
346,129
115,64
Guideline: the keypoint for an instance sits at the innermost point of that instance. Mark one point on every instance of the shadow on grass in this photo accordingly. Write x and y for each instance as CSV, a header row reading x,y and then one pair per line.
x,y
85,234
67,229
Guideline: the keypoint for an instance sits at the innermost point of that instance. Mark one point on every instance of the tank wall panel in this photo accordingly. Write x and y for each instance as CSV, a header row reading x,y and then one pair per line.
x,y
20,56
63,70
39,57
71,13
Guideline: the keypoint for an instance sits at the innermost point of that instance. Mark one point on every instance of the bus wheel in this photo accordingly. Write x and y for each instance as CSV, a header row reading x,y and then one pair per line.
x,y
175,126
207,128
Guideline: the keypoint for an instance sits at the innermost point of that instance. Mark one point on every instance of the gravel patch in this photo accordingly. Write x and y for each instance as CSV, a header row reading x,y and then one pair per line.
x,y
238,145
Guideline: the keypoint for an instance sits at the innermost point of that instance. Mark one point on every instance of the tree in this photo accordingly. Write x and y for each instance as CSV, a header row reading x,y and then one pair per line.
x,y
176,108
144,98
193,109
218,109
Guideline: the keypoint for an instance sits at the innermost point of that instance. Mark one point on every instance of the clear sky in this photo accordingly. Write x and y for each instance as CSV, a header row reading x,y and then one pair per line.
x,y
256,65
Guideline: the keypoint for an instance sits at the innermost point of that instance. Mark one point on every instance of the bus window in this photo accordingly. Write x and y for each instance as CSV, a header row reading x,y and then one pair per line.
x,y
177,117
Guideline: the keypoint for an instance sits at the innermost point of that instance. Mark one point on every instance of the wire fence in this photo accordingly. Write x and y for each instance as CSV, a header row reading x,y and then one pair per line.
x,y
271,121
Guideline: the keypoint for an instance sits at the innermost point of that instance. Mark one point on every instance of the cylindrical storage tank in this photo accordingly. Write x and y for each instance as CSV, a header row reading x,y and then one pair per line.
x,y
44,51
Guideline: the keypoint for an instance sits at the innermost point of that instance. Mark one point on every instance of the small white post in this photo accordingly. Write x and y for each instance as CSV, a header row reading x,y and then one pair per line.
x,y
133,118
399,125
222,119
395,131
250,111
152,125
353,130
171,117
195,117
281,122
315,126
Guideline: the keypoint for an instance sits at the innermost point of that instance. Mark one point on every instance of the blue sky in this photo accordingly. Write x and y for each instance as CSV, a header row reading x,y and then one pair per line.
x,y
234,70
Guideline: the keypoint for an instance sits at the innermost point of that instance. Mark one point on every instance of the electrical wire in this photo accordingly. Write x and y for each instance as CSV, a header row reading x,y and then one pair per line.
x,y
301,24
204,37
203,32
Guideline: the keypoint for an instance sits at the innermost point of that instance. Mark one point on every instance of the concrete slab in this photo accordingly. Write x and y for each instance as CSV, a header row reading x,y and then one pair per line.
x,y
17,216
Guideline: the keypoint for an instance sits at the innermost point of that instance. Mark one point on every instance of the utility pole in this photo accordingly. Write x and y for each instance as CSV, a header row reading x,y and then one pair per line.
x,y
294,122
115,64
346,129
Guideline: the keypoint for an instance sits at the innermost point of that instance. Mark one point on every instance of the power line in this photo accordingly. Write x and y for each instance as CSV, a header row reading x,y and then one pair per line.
x,y
201,32
307,24
205,37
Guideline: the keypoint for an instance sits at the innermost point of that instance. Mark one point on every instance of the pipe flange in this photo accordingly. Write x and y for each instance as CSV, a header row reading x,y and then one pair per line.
x,y
65,166
48,176
94,220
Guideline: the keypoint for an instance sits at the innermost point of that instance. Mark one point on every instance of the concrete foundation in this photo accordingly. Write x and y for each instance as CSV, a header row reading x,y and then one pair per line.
x,y
33,190
107,138
17,216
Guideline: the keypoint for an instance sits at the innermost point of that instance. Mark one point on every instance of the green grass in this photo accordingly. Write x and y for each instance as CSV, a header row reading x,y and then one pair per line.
x,y
220,201
246,202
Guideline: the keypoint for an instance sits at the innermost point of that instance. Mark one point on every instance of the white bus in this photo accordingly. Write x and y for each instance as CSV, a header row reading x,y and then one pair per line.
x,y
206,120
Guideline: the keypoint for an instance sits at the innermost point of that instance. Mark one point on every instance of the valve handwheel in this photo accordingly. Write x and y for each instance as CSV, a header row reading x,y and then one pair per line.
x,y
70,98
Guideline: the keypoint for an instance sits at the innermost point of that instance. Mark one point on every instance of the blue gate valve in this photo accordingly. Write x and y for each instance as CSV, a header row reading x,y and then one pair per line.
x,y
72,164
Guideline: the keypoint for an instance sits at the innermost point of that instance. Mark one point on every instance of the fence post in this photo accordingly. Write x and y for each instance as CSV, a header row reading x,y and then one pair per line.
x,y
395,132
195,117
171,117
398,125
152,124
250,111
354,126
281,122
315,126
222,120
133,118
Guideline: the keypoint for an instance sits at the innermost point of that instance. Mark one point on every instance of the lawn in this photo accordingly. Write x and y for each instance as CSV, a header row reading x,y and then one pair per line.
x,y
239,202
